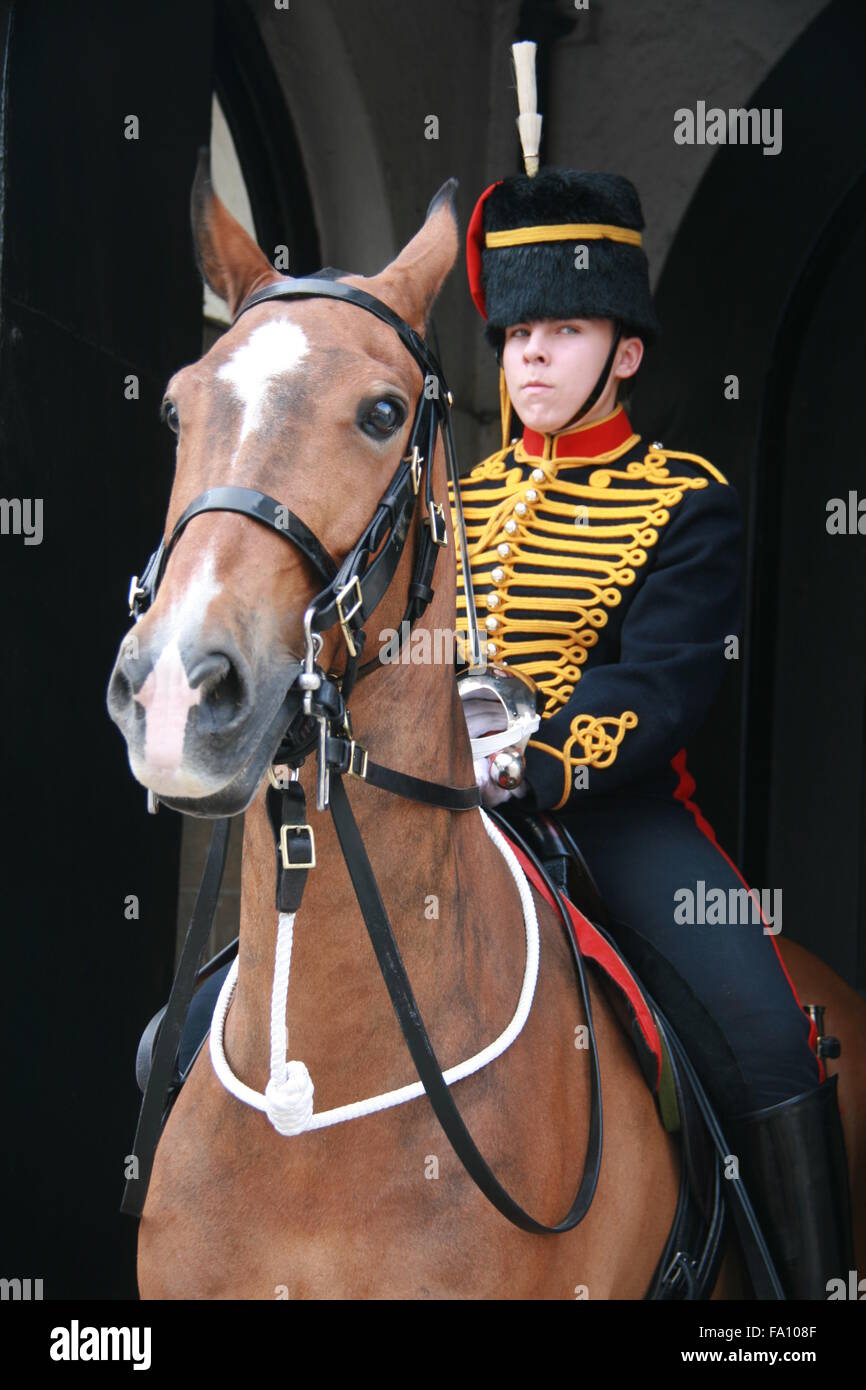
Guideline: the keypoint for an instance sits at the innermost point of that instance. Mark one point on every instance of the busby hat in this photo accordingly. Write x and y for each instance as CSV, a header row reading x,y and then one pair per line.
x,y
523,241
522,260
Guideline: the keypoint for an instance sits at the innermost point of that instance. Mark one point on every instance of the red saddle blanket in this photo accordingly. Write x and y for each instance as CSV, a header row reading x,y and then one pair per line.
x,y
634,1011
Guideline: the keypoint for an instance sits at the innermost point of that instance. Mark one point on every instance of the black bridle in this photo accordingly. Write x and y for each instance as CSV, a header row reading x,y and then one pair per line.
x,y
352,591
350,594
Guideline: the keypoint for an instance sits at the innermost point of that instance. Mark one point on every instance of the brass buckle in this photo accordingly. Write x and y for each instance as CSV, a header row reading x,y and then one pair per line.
x,y
284,848
416,463
355,748
436,518
344,617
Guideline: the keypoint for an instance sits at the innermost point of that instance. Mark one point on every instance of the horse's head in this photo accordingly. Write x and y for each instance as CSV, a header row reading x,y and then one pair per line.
x,y
310,401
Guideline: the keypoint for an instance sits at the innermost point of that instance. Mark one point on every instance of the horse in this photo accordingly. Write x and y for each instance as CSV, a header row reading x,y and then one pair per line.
x,y
310,400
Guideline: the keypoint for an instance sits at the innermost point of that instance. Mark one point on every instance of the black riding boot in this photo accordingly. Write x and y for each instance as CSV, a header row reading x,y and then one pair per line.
x,y
793,1165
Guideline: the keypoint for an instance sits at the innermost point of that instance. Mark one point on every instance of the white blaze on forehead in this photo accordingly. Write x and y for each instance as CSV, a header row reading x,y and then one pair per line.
x,y
269,351
167,695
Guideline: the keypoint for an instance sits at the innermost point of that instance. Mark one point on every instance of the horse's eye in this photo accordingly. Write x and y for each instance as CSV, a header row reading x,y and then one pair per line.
x,y
383,419
170,416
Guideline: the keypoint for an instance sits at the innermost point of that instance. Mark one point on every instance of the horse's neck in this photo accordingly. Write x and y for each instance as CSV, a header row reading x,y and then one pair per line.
x,y
451,904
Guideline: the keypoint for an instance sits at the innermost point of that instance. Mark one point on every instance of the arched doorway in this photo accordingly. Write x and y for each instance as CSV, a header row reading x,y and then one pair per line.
x,y
761,283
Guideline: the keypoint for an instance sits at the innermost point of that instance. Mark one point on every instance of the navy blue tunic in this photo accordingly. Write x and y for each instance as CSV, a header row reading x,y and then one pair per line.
x,y
608,570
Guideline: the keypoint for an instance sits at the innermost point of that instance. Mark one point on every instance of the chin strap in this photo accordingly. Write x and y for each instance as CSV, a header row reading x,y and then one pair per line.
x,y
504,405
602,380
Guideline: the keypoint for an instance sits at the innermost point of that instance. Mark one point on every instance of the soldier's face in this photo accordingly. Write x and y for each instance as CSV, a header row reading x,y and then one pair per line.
x,y
551,365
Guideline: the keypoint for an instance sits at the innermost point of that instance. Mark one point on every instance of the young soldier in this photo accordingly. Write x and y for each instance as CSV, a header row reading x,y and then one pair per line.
x,y
607,569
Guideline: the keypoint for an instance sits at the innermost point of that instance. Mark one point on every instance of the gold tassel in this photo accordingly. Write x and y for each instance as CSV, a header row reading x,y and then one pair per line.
x,y
504,409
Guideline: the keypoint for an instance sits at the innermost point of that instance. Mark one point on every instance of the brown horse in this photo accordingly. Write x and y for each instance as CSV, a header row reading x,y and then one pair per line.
x,y
311,401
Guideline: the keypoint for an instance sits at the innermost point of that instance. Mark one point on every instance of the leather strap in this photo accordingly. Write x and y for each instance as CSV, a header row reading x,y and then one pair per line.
x,y
344,755
259,507
313,288
163,1073
294,843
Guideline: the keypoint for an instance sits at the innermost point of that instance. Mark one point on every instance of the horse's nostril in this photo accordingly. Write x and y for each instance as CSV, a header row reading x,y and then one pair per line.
x,y
119,689
222,689
209,673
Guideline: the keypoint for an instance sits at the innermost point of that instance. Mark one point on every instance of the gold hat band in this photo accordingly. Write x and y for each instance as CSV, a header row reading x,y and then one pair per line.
x,y
563,231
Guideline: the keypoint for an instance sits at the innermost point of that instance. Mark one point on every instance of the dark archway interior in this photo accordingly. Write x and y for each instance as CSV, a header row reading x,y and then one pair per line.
x,y
762,282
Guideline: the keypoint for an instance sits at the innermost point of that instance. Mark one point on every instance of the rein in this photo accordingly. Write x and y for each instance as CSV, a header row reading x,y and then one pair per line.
x,y
350,593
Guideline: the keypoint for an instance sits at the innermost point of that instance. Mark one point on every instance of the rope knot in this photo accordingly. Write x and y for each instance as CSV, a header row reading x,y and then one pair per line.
x,y
290,1101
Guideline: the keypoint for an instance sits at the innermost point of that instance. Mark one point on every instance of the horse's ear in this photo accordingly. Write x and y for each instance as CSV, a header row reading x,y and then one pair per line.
x,y
227,257
412,281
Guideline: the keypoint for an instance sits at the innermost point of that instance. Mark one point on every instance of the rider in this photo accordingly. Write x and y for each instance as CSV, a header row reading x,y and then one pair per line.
x,y
608,570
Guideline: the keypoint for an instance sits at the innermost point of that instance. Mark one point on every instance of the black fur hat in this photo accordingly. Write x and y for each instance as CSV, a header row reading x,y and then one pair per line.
x,y
540,280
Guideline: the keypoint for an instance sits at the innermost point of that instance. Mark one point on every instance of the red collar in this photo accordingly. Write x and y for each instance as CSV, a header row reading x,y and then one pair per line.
x,y
584,441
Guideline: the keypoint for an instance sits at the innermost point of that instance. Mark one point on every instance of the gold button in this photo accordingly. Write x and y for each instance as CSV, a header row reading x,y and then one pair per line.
x,y
510,527
531,494
537,475
497,574
520,509
503,549
492,600
491,648
491,623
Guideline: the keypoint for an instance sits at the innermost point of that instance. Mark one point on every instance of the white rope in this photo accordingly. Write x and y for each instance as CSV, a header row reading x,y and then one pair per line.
x,y
289,1093
288,1098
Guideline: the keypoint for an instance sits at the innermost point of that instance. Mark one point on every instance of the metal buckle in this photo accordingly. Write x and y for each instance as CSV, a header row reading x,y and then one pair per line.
x,y
136,591
435,518
416,463
362,754
284,848
680,1267
344,617
279,782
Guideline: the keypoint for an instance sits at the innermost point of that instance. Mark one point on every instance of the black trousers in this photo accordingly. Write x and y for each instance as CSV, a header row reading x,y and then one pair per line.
x,y
720,980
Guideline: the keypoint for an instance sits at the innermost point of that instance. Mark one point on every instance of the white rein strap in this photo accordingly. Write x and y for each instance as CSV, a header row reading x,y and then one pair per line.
x,y
288,1098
